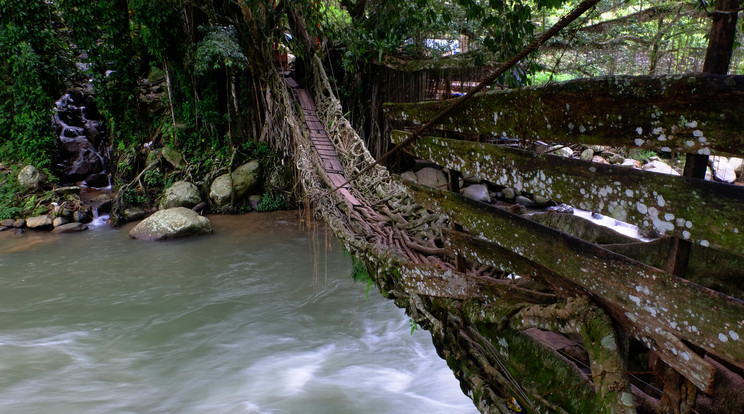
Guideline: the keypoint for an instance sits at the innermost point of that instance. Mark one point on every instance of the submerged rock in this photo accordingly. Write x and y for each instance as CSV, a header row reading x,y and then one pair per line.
x,y
170,224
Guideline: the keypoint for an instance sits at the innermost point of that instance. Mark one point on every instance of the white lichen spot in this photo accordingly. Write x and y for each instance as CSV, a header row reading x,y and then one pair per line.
x,y
704,151
702,140
668,216
662,137
697,133
689,143
641,208
639,141
629,193
639,130
691,124
736,230
657,130
609,343
495,117
592,169
704,243
722,337
688,224
686,356
734,335
686,234
666,149
635,299
582,129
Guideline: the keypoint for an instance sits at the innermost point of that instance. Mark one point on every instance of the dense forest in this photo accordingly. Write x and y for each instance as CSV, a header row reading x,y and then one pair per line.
x,y
197,77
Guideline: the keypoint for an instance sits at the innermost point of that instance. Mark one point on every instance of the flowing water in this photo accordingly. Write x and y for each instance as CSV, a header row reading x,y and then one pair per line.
x,y
260,317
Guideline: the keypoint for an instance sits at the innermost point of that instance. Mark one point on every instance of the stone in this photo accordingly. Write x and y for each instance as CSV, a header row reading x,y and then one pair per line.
x,y
39,222
738,165
562,151
59,221
19,223
617,159
587,154
629,162
723,170
659,167
543,201
170,224
431,177
69,190
508,193
477,192
524,201
29,177
518,209
173,157
254,200
599,160
243,179
409,175
97,180
181,194
7,222
101,202
132,214
70,228
471,179
79,216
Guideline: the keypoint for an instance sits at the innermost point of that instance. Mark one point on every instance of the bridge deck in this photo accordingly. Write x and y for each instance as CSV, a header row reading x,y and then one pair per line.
x,y
321,143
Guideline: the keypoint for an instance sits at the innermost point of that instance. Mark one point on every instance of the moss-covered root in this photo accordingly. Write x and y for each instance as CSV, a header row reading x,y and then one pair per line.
x,y
581,317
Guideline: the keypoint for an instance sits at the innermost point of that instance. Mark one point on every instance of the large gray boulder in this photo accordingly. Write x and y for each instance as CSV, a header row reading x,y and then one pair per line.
x,y
170,224
431,177
29,177
241,181
477,192
181,194
39,222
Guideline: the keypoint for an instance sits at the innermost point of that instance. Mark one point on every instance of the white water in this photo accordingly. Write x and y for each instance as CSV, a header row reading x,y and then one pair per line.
x,y
236,322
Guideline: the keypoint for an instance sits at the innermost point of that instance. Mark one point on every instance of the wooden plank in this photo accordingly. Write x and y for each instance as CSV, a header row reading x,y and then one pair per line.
x,y
351,200
695,113
658,305
704,212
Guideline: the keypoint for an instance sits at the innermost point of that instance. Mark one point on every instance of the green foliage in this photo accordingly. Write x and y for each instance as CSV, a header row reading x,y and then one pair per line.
x,y
273,202
134,197
9,191
414,326
219,49
359,274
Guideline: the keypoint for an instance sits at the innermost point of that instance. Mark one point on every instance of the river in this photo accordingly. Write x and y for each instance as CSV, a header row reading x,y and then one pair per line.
x,y
260,317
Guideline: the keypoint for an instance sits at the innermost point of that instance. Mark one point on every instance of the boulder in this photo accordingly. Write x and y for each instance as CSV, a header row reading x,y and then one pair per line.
x,y
599,159
431,177
587,154
39,222
170,224
723,170
59,221
181,194
659,167
562,151
617,159
70,228
132,214
508,193
19,223
173,157
477,192
29,177
243,179
7,222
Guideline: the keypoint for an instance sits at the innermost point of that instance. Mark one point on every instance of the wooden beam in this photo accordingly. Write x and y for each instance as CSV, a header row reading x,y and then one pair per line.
x,y
658,306
698,113
704,212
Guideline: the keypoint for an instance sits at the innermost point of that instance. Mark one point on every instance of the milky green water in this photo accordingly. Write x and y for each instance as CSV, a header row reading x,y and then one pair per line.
x,y
260,317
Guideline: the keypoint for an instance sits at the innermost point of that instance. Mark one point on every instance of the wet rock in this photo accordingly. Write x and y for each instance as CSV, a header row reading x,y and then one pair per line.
x,y
59,221
19,223
80,216
243,179
170,224
39,222
723,170
29,177
508,193
587,154
409,175
431,177
97,180
7,222
181,194
659,167
132,214
102,203
524,201
477,192
543,201
70,228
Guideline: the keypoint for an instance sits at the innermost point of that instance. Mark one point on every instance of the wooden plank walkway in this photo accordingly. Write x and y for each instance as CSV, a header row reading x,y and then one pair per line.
x,y
322,144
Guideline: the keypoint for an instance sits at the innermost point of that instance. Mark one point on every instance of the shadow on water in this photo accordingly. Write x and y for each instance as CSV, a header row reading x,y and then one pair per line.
x,y
260,317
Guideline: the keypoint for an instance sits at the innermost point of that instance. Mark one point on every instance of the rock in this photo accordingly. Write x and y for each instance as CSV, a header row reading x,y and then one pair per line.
x,y
518,209
19,223
173,157
629,162
170,224
562,151
581,228
738,165
409,175
101,202
562,209
723,170
70,228
181,194
471,179
80,216
617,159
599,160
132,214
543,201
39,222
97,180
59,221
524,201
659,167
7,222
200,208
69,190
587,154
254,200
477,192
431,177
508,193
242,180
29,177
